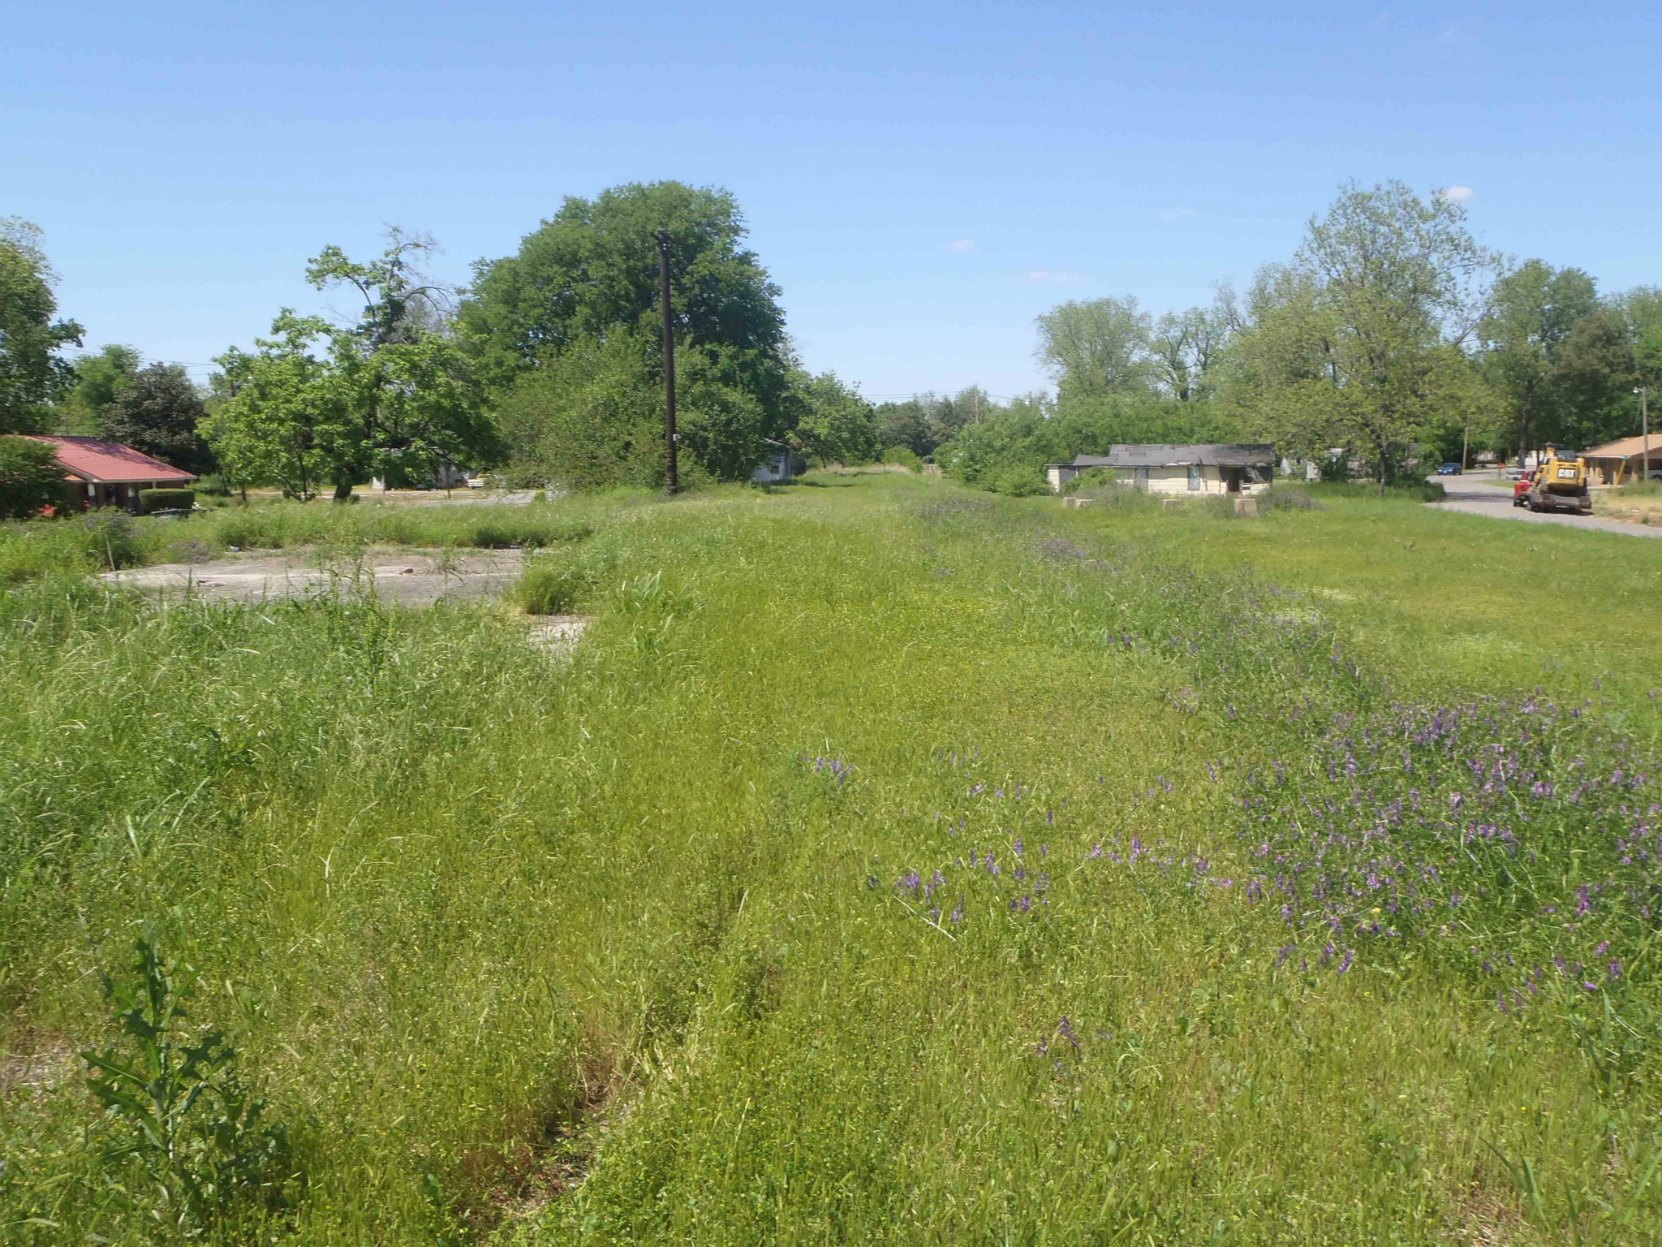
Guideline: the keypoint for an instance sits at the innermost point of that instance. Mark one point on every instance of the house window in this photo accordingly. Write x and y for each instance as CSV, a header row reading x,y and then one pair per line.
x,y
1194,476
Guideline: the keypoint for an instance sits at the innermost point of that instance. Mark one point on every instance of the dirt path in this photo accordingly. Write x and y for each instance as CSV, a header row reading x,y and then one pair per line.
x,y
408,577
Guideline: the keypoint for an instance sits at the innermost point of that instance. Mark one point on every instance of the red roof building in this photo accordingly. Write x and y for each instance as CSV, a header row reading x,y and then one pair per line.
x,y
108,474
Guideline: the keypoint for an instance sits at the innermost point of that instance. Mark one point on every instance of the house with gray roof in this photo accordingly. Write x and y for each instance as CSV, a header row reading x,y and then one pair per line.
x,y
1177,470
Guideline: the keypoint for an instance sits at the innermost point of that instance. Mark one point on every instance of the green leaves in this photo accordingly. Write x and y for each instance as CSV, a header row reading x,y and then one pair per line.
x,y
31,370
179,1111
393,395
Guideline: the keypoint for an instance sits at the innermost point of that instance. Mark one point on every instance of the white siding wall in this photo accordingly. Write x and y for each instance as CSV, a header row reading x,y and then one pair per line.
x,y
1175,482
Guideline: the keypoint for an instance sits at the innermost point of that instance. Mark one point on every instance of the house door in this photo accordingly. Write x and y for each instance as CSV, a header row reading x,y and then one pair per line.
x,y
1232,480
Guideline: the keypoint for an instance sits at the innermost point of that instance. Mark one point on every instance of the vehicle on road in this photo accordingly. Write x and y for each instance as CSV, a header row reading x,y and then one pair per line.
x,y
1558,484
1449,469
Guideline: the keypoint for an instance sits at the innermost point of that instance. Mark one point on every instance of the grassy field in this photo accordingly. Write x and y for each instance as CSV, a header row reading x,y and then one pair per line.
x,y
889,863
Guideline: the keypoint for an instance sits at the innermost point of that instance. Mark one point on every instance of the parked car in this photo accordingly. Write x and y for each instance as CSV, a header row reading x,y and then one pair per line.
x,y
1449,469
1515,474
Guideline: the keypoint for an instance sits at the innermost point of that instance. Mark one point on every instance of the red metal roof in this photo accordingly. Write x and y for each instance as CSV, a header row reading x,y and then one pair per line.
x,y
94,459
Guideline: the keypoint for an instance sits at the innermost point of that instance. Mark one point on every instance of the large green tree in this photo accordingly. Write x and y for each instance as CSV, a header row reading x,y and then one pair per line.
x,y
284,419
1532,313
33,370
587,282
97,377
1096,346
591,271
157,410
836,425
1362,341
390,394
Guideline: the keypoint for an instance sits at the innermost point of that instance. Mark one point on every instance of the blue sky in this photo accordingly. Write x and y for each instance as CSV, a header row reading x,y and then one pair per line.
x,y
921,179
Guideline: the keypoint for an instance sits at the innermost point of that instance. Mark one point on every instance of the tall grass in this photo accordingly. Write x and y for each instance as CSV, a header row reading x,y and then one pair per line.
x,y
888,863
105,539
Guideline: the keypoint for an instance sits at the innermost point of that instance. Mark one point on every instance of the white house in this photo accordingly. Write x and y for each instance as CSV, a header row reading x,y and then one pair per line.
x,y
1177,470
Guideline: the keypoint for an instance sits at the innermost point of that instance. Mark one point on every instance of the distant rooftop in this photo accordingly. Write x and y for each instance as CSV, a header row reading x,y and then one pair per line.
x,y
94,459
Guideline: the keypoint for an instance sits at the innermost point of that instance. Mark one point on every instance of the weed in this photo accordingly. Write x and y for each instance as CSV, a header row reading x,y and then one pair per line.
x,y
179,1112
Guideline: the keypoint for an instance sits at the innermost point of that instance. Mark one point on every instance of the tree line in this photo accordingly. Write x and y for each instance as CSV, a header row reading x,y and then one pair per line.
x,y
1390,337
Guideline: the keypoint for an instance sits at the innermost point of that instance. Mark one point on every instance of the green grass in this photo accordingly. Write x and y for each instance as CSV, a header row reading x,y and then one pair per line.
x,y
104,540
623,947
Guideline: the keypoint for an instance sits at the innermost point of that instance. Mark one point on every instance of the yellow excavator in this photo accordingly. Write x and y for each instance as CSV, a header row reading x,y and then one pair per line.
x,y
1559,483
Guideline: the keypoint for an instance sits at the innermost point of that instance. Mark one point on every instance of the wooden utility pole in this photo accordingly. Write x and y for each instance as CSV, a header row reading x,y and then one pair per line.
x,y
671,483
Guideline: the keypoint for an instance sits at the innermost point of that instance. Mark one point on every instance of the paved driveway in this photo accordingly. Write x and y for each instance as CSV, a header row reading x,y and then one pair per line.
x,y
1475,493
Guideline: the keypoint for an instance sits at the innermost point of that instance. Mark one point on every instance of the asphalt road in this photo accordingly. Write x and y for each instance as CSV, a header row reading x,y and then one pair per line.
x,y
1475,494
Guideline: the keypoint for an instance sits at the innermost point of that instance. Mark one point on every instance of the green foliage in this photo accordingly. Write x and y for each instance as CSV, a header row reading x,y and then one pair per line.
x,y
97,378
1357,342
394,395
32,370
836,424
157,410
903,457
591,271
166,499
1097,347
178,1109
30,477
1533,312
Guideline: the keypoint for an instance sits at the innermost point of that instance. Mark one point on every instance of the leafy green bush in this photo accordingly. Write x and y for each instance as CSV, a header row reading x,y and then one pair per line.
x,y
1018,480
903,456
153,500
30,478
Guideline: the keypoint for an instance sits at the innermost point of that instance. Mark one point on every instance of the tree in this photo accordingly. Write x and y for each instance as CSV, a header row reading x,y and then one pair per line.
x,y
1361,340
96,380
31,478
411,391
908,424
286,419
1592,382
157,411
1098,346
1186,348
392,394
836,424
592,271
32,370
1533,310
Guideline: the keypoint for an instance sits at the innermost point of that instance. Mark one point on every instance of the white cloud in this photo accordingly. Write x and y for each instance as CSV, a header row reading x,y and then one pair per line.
x,y
1179,214
1045,276
1456,194
961,245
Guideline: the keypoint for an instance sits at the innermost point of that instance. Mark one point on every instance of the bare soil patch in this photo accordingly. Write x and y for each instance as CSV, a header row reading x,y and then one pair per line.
x,y
408,577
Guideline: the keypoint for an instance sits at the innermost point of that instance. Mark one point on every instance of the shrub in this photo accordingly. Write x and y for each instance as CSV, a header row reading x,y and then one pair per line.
x,y
153,500
30,478
1018,481
903,456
